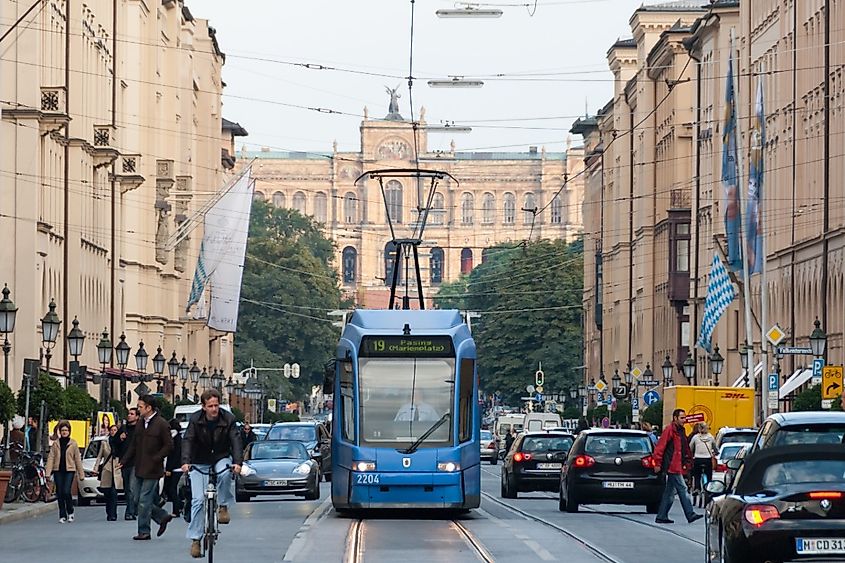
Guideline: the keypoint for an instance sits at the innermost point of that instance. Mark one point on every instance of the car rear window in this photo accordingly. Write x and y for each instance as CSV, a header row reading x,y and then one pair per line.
x,y
485,435
300,433
739,437
547,444
795,472
617,445
810,434
729,452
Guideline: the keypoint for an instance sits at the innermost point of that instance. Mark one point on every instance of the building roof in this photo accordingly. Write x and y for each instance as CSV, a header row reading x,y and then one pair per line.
x,y
627,42
302,155
673,6
236,128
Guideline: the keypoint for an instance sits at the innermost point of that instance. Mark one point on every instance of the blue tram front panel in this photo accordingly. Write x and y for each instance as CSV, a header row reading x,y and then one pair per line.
x,y
405,415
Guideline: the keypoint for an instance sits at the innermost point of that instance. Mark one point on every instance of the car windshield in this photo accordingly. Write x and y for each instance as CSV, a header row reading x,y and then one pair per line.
x,y
729,452
402,398
300,433
810,434
278,450
617,445
797,472
486,435
547,444
93,449
739,437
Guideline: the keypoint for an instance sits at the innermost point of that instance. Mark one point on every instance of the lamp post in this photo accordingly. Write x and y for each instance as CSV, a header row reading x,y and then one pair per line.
x,y
217,379
689,369
615,381
104,354
205,379
230,386
75,343
717,362
743,360
582,392
159,362
195,377
173,371
8,312
122,351
141,358
50,331
667,368
183,375
818,339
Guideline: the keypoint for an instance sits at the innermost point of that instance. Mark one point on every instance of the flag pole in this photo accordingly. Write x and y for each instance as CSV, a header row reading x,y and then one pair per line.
x,y
759,113
746,289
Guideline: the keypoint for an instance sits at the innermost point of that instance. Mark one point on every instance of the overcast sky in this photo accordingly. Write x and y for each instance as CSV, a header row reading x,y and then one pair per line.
x,y
563,46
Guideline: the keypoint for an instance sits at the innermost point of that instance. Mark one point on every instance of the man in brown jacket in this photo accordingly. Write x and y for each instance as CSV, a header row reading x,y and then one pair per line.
x,y
150,445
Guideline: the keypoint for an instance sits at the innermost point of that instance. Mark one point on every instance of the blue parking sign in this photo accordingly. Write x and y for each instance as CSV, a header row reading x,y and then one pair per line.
x,y
635,404
600,398
773,382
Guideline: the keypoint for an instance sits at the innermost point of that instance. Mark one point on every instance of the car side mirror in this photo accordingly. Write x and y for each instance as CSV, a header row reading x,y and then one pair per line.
x,y
733,464
716,487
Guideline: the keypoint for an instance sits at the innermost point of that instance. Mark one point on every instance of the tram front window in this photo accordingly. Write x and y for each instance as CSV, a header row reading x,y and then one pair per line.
x,y
401,398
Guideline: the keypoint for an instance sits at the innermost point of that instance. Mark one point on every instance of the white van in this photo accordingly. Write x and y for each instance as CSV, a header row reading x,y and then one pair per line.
x,y
535,421
506,423
183,412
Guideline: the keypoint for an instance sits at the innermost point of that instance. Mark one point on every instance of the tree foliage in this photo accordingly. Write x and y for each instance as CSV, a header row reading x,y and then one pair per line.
x,y
654,414
44,388
808,400
79,405
7,403
288,285
530,301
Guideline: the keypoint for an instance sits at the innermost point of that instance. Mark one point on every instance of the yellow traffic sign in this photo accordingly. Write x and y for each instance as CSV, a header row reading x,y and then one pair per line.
x,y
775,335
636,372
831,382
600,386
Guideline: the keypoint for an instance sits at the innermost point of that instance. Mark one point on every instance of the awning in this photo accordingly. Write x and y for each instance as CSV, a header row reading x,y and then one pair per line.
x,y
740,381
799,378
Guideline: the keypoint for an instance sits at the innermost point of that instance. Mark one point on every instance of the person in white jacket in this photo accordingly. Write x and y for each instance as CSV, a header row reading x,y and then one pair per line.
x,y
703,446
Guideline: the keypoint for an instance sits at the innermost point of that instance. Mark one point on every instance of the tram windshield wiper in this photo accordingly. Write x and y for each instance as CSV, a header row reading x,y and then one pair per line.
x,y
416,445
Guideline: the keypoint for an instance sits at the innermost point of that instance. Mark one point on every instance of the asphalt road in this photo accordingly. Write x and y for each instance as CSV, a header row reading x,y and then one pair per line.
x,y
529,528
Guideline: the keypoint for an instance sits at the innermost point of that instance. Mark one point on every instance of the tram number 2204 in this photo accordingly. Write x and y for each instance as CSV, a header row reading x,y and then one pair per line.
x,y
366,479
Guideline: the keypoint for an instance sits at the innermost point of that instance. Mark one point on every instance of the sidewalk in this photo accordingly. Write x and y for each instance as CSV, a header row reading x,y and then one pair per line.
x,y
17,511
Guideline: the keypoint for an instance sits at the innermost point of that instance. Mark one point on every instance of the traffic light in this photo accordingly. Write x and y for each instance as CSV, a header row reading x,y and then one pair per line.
x,y
286,369
539,378
295,371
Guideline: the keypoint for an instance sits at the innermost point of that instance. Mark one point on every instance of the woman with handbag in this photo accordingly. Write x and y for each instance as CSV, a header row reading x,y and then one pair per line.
x,y
703,446
64,463
111,478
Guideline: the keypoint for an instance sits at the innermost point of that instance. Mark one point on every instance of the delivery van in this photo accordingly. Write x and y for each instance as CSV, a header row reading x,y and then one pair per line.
x,y
717,406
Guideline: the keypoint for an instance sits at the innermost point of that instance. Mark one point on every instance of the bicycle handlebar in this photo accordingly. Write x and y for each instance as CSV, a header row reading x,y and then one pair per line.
x,y
210,471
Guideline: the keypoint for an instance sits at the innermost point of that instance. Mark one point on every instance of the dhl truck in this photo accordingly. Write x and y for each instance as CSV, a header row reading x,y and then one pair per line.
x,y
717,406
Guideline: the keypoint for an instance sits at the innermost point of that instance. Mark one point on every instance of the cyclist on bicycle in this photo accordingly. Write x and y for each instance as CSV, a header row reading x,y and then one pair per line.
x,y
212,438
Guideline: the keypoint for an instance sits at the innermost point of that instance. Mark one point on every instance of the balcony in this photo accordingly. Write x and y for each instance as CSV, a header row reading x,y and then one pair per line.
x,y
103,138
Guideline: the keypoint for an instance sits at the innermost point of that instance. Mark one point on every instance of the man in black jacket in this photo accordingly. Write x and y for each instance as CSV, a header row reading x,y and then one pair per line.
x,y
212,438
124,439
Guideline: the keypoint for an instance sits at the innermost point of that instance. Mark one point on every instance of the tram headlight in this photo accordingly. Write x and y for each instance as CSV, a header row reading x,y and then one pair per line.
x,y
449,466
364,466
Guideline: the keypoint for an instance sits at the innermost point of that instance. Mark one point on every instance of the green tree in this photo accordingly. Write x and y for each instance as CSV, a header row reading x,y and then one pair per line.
x,y
239,414
7,403
79,405
808,400
166,408
530,302
289,283
119,409
654,414
44,388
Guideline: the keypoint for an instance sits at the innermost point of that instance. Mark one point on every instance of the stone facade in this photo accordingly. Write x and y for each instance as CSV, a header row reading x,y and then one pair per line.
x,y
485,208
113,134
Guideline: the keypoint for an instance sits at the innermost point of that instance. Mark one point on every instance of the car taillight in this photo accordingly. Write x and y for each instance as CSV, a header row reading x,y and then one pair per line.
x,y
583,461
491,446
758,514
825,495
648,462
519,456
721,467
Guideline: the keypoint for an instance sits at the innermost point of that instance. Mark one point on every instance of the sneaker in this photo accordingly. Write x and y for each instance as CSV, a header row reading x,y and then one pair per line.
x,y
664,521
694,518
70,517
196,549
62,520
223,515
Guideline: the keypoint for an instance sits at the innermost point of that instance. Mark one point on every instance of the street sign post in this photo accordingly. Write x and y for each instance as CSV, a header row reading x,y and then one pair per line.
x,y
831,382
818,365
635,404
774,385
794,350
648,383
775,335
600,386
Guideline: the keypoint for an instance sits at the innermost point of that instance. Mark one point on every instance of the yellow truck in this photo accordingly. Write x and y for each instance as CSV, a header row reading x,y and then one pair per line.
x,y
717,406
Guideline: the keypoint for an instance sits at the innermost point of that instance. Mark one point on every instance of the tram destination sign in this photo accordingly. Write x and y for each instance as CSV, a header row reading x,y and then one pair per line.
x,y
407,346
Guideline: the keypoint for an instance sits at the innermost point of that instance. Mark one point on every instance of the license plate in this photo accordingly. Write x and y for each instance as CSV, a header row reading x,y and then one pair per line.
x,y
819,546
617,484
548,466
276,483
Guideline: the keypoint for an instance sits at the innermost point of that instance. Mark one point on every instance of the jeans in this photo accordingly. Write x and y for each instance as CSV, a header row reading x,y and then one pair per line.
x,y
199,481
146,498
128,483
675,483
64,486
110,494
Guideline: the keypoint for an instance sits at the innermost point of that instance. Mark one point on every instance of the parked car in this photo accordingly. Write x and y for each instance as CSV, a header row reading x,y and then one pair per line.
x,y
489,447
534,461
728,435
608,466
787,503
314,436
278,467
89,488
726,452
792,428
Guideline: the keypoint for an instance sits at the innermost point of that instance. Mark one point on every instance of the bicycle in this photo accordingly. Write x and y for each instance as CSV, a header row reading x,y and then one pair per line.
x,y
210,511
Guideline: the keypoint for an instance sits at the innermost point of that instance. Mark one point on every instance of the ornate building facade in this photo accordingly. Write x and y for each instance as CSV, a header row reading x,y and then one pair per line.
x,y
113,135
493,202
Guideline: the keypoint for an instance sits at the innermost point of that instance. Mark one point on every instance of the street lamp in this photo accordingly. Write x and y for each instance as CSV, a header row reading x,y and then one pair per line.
x,y
50,331
75,340
8,311
616,380
469,12
122,351
573,393
195,377
141,358
648,374
689,369
183,375
717,362
667,368
104,354
629,377
204,378
217,379
818,339
159,362
743,355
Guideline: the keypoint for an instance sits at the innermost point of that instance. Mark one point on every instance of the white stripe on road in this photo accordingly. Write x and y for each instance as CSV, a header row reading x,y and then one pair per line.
x,y
301,539
541,552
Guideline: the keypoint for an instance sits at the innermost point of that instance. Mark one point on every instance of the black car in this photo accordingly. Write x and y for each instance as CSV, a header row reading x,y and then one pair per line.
x,y
610,467
534,461
787,503
792,428
313,436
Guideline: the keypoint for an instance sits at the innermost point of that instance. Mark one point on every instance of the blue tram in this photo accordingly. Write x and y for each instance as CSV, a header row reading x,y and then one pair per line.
x,y
405,413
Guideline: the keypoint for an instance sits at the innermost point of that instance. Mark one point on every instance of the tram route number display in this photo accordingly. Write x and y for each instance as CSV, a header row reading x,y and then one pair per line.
x,y
407,346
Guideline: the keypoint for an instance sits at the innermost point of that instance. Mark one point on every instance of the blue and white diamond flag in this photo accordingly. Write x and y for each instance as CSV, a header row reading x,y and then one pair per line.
x,y
720,294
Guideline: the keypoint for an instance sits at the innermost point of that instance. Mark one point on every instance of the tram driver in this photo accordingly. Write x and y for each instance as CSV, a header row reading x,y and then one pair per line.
x,y
417,409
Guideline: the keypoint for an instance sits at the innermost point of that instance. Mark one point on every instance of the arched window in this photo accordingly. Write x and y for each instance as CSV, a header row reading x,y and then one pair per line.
x,y
258,195
488,208
350,264
279,199
466,260
437,215
350,207
436,265
299,202
389,254
393,199
320,207
530,205
510,209
557,208
467,203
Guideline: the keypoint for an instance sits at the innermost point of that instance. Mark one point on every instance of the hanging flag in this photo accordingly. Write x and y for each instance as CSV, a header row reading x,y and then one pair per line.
x,y
720,293
200,279
754,222
733,213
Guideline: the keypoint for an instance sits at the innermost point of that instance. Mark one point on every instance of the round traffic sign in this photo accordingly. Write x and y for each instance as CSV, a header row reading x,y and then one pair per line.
x,y
651,397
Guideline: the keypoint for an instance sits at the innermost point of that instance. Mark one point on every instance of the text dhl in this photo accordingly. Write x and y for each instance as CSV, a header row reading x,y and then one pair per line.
x,y
729,395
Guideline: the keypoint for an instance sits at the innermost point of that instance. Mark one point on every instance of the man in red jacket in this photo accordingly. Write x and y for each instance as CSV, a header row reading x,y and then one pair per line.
x,y
672,456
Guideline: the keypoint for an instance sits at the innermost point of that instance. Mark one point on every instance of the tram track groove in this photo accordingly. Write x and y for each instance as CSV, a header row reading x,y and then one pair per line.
x,y
470,539
354,552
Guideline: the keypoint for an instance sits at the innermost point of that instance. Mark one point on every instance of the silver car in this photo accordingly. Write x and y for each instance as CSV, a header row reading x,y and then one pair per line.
x,y
278,467
489,447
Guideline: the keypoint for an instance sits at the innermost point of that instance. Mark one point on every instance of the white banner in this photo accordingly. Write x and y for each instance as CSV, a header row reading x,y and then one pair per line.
x,y
223,252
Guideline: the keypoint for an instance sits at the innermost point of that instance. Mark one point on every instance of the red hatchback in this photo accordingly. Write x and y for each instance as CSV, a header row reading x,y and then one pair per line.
x,y
610,467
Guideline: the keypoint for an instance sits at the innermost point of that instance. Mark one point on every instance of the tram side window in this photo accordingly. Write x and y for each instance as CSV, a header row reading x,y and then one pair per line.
x,y
466,398
347,406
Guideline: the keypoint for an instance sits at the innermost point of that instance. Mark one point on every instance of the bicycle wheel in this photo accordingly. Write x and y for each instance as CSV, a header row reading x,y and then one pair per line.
x,y
32,491
210,528
13,490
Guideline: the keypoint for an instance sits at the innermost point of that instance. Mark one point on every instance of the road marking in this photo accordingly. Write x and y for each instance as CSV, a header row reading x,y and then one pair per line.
x,y
541,552
301,538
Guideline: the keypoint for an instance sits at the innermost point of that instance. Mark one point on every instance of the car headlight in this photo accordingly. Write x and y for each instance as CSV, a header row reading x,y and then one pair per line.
x,y
302,469
364,466
247,470
449,466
